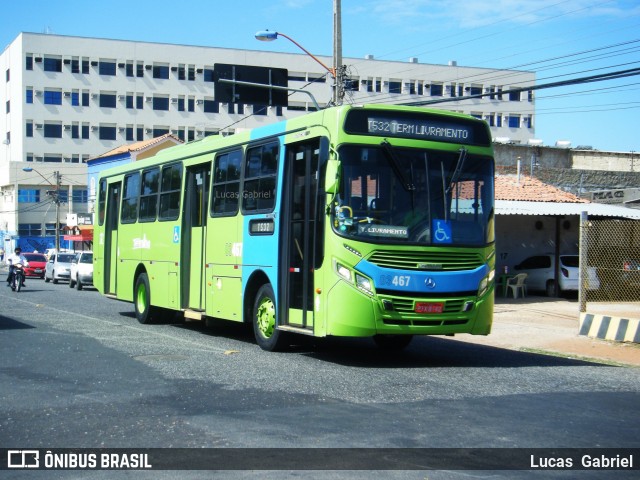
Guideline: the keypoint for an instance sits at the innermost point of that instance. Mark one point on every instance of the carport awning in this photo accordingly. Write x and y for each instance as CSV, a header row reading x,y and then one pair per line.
x,y
511,207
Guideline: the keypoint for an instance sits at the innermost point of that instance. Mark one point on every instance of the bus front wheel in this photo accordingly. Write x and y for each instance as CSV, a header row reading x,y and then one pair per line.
x,y
264,321
142,299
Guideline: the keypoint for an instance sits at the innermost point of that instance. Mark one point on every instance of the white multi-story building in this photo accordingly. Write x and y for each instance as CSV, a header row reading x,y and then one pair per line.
x,y
68,99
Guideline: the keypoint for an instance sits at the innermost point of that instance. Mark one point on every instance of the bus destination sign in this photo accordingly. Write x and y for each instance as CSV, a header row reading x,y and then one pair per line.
x,y
422,129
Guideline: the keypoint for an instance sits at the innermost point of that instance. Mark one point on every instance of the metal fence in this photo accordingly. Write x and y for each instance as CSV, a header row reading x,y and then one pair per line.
x,y
610,250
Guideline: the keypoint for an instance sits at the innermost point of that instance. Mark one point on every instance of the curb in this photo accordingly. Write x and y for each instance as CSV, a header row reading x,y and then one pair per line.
x,y
606,327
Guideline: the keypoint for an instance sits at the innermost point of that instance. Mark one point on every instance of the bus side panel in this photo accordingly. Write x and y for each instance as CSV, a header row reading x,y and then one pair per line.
x,y
224,268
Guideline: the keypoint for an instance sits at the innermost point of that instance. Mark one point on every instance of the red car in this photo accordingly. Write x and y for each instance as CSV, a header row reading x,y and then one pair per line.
x,y
37,263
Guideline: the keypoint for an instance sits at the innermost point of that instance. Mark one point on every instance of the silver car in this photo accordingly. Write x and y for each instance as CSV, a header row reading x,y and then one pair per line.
x,y
58,267
81,270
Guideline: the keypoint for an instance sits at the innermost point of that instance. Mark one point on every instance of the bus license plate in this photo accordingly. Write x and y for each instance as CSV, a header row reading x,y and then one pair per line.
x,y
429,307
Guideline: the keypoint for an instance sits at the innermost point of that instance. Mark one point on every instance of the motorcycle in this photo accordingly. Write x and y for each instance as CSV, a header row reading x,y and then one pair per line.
x,y
18,277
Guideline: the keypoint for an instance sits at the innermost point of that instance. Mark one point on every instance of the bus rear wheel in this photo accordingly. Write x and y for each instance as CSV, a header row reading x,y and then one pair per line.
x,y
264,321
392,343
142,300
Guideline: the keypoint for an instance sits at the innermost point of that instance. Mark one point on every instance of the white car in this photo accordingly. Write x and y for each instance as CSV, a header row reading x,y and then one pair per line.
x,y
540,273
81,270
58,267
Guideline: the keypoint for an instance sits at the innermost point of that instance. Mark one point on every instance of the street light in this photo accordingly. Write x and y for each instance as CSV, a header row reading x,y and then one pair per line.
x,y
55,194
268,36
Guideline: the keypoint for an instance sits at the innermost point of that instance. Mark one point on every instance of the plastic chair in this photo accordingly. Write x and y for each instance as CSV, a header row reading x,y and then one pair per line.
x,y
516,284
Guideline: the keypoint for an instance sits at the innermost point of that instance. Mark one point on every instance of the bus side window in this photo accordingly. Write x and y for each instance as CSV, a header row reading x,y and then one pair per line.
x,y
259,190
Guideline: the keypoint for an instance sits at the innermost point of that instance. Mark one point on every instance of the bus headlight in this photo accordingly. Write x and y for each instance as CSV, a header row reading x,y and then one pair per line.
x,y
364,283
485,283
344,272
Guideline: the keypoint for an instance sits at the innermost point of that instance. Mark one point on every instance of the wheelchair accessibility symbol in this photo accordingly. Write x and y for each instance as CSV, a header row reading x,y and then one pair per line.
x,y
176,234
441,231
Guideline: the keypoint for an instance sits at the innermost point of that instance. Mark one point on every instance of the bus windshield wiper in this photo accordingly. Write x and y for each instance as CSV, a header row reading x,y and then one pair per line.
x,y
394,162
459,166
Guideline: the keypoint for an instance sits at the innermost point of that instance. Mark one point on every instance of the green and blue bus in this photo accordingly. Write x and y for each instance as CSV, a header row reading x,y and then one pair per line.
x,y
360,221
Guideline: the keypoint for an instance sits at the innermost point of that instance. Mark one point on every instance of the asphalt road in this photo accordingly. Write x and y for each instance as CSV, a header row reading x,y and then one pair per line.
x,y
78,371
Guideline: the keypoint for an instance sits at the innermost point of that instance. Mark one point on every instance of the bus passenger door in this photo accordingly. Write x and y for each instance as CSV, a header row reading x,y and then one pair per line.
x,y
111,238
302,233
194,220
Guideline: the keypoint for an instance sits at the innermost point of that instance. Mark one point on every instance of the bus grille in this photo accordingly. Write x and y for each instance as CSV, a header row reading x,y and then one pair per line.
x,y
426,261
407,305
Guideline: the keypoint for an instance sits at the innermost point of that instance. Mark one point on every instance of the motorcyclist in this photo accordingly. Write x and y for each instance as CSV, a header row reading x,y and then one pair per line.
x,y
12,261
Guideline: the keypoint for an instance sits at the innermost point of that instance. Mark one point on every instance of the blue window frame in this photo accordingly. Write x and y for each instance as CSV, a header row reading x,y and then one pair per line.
x,y
107,133
75,99
52,98
107,100
52,64
29,95
161,71
80,196
161,103
28,195
29,129
53,130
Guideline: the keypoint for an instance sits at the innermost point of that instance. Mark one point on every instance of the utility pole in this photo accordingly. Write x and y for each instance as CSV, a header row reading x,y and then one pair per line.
x,y
338,88
56,199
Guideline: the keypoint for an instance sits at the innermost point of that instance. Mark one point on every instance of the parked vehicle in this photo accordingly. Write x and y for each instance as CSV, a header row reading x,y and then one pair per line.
x,y
81,270
37,264
631,272
58,267
540,270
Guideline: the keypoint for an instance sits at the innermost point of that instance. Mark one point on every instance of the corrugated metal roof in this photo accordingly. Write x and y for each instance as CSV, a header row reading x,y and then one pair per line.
x,y
513,207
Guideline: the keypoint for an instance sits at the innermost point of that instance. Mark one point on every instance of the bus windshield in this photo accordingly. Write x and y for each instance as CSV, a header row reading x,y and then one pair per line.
x,y
414,196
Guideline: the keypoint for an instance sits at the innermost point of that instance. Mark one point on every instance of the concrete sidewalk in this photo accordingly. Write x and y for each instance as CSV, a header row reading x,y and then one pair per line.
x,y
552,325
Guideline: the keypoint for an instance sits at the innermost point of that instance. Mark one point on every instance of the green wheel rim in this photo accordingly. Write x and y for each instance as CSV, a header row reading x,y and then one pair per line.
x,y
141,299
266,317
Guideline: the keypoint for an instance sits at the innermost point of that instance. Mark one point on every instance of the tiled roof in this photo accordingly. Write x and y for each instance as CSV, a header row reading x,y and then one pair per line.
x,y
529,189
138,146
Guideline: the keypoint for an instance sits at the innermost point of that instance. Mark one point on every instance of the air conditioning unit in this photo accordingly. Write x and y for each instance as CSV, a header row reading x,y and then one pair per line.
x,y
199,102
66,94
94,95
67,127
38,126
174,100
94,128
121,65
200,133
174,69
38,58
121,97
121,129
148,130
38,93
148,99
174,132
148,67
199,70
94,63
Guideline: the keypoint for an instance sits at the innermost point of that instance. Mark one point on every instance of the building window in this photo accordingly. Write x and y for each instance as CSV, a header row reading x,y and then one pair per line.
x,y
208,75
28,195
259,109
211,106
395,86
159,131
85,66
139,102
107,67
181,72
129,69
75,65
75,98
50,229
85,98
140,133
8,106
31,229
29,129
29,95
107,132
181,104
52,97
8,75
139,69
52,158
514,96
161,103
52,64
80,196
129,134
129,101
85,131
436,89
28,62
108,100
75,131
514,121
161,71
53,130
191,72
191,104
476,90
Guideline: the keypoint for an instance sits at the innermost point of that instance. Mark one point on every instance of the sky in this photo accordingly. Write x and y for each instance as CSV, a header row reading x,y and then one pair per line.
x,y
559,40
